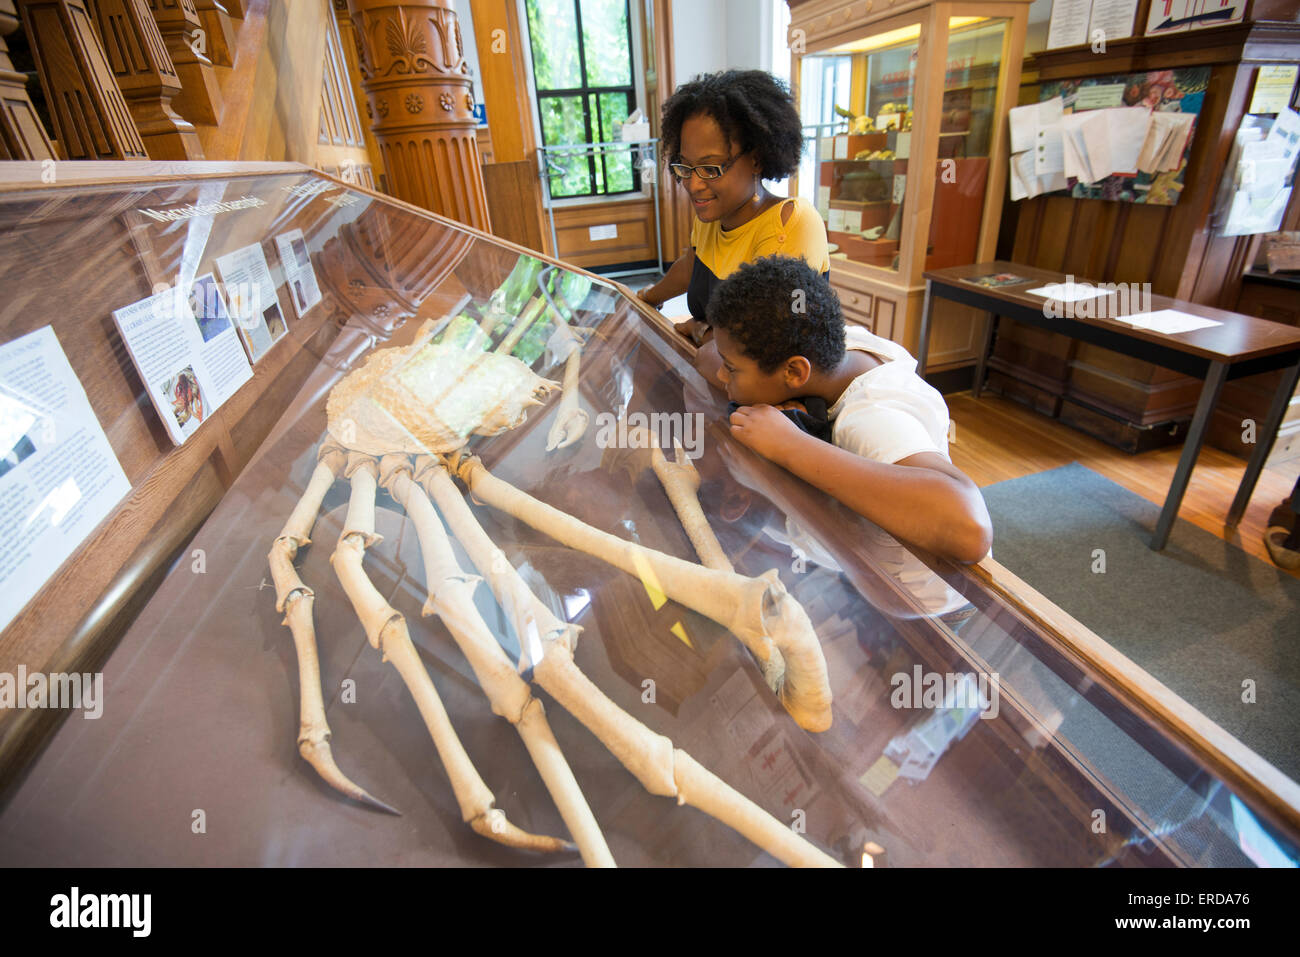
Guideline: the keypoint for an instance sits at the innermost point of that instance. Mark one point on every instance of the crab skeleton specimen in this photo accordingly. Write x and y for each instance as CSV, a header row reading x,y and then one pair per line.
x,y
401,421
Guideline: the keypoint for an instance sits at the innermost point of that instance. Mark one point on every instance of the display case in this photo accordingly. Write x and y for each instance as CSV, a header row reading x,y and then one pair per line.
x,y
927,714
904,107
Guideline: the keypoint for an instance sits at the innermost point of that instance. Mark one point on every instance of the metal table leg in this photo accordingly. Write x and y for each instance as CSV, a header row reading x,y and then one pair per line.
x,y
978,385
1214,380
1264,440
923,338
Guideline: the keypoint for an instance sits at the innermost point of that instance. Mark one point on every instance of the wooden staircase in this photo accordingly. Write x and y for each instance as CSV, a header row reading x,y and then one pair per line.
x,y
217,80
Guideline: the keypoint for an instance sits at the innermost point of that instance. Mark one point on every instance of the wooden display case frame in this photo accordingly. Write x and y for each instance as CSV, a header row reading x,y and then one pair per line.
x,y
885,301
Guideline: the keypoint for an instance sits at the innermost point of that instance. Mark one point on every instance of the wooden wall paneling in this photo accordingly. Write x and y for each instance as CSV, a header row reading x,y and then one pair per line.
x,y
22,137
200,99
139,60
675,213
519,221
90,116
634,242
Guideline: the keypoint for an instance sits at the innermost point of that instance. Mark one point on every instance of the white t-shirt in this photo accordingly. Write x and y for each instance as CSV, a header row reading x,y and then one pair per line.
x,y
889,412
886,414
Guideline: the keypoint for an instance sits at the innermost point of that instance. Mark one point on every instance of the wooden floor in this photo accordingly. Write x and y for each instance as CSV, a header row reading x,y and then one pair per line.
x,y
997,439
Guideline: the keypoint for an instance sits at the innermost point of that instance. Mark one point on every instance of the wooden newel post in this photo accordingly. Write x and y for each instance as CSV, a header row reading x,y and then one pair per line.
x,y
413,70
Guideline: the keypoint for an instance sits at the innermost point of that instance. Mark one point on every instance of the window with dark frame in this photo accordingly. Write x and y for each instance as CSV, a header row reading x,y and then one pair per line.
x,y
582,71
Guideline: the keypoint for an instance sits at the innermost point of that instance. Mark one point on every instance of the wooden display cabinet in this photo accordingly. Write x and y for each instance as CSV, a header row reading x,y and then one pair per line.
x,y
883,61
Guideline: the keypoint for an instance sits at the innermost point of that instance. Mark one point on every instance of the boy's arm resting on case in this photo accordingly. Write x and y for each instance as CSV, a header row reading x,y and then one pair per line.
x,y
923,498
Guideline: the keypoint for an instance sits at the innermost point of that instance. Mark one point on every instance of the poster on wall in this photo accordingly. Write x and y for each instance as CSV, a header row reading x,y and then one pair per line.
x,y
1136,148
299,276
1179,16
59,477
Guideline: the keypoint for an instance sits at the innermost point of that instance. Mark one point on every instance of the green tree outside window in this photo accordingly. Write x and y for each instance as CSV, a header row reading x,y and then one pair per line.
x,y
582,68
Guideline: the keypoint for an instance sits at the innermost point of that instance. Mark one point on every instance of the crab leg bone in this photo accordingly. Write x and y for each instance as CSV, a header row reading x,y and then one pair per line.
x,y
651,758
570,418
758,611
386,630
296,600
681,483
451,597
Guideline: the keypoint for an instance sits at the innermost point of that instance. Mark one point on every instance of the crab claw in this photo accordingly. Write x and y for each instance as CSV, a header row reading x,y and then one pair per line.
x,y
316,751
568,427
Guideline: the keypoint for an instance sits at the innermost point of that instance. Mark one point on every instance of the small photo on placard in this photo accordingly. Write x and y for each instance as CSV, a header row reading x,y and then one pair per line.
x,y
183,393
209,309
299,275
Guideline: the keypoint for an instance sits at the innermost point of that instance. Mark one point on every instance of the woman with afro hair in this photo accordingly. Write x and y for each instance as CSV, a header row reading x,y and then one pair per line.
x,y
723,134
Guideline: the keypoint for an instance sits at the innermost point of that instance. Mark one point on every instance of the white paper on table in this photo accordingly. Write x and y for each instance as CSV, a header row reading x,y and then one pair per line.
x,y
1069,24
1168,321
59,477
1069,291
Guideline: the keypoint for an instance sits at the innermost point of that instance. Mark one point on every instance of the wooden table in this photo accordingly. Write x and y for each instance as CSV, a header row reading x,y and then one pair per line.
x,y
1238,346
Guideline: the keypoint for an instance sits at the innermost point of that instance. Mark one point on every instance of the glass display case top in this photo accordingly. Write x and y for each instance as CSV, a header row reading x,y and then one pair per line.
x,y
520,408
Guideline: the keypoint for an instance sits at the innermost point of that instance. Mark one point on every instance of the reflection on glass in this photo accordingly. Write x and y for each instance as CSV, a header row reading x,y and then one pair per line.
x,y
858,102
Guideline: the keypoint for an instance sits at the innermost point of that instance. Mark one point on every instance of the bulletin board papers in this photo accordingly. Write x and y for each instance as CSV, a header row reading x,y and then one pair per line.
x,y
299,275
1273,87
1075,22
1168,321
1037,163
184,346
1120,142
253,301
59,477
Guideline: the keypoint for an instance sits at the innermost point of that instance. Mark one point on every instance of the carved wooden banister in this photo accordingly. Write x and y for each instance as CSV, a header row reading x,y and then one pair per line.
x,y
200,99
138,58
87,110
21,135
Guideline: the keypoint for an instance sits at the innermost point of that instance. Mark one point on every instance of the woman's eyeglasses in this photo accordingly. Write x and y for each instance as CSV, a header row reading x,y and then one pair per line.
x,y
707,171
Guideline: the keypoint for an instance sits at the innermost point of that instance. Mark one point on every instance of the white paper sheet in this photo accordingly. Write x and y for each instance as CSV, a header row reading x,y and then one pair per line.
x,y
1114,18
1068,291
1069,24
59,477
1168,321
1165,140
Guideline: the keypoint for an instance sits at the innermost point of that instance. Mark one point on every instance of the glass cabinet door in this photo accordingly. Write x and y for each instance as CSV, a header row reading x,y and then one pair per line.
x,y
859,102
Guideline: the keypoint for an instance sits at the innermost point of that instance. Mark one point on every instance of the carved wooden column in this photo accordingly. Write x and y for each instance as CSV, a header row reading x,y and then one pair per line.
x,y
413,69
21,135
90,117
145,75
200,97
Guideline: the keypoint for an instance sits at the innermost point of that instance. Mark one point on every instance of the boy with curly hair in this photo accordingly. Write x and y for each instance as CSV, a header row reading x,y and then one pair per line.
x,y
783,342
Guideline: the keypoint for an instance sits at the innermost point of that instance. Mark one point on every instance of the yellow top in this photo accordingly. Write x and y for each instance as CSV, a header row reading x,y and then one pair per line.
x,y
720,252
723,251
